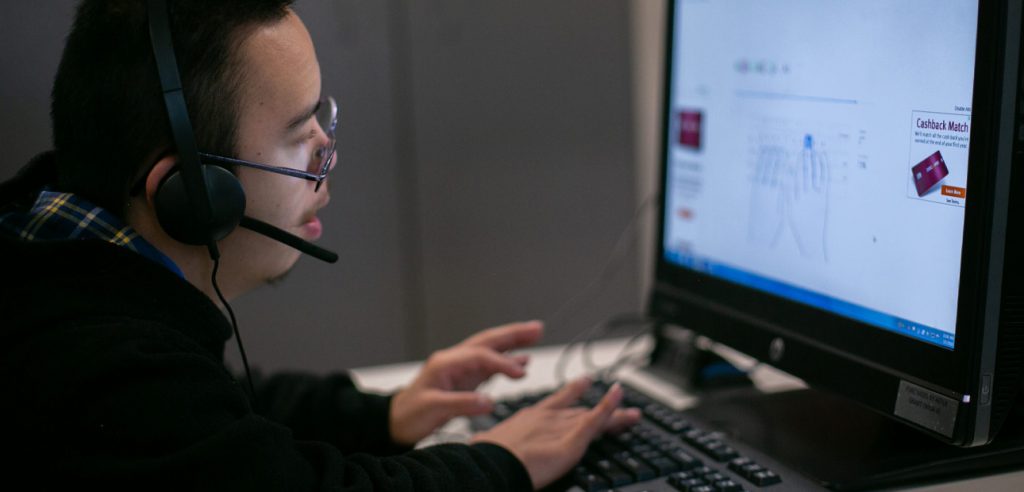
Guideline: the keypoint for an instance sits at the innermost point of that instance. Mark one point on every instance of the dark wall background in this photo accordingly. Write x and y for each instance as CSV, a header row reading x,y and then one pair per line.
x,y
486,171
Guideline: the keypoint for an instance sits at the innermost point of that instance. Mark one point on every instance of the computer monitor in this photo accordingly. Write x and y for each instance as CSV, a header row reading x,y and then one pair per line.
x,y
840,198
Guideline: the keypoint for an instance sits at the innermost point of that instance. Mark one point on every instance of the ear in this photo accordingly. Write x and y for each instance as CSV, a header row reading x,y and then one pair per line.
x,y
157,174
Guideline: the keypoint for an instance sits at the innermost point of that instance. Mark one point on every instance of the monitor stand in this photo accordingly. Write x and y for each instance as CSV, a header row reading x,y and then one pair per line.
x,y
845,446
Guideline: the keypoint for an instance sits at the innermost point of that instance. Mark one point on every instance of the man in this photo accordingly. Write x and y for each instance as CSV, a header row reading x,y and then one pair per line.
x,y
114,335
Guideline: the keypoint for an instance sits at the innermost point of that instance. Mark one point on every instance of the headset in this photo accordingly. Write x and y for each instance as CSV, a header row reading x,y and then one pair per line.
x,y
196,203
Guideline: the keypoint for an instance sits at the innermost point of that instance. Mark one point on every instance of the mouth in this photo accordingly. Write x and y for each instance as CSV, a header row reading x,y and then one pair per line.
x,y
312,228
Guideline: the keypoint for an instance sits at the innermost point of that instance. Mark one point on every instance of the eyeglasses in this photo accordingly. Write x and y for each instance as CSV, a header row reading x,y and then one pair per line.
x,y
327,118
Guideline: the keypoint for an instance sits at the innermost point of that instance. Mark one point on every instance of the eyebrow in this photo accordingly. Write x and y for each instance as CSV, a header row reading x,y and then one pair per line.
x,y
305,116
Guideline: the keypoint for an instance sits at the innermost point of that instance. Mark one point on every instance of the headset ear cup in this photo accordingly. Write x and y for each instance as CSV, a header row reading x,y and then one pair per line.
x,y
176,217
227,199
172,210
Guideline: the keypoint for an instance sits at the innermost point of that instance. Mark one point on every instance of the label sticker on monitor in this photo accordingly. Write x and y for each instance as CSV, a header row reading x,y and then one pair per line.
x,y
926,408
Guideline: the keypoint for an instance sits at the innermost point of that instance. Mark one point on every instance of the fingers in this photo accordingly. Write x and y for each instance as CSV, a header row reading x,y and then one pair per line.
x,y
494,362
457,403
521,359
622,419
508,337
778,168
606,416
568,395
598,418
466,367
571,413
823,170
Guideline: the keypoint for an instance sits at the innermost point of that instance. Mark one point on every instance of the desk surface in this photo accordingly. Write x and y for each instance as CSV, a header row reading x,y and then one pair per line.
x,y
541,374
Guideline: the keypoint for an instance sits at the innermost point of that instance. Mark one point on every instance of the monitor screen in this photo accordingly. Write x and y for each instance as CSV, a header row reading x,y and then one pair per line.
x,y
791,170
817,157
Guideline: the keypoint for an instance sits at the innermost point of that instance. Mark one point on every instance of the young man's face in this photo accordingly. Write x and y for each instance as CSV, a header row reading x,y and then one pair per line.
x,y
281,87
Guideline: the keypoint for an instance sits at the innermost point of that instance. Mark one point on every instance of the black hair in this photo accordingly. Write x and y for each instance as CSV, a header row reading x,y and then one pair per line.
x,y
108,114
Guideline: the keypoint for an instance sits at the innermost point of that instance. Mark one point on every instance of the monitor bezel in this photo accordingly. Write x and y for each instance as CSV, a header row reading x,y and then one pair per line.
x,y
748,319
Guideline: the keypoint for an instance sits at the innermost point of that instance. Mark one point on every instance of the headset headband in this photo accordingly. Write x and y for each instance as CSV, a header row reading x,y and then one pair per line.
x,y
177,114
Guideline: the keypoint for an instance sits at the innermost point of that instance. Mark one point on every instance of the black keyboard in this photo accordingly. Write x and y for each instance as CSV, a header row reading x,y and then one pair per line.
x,y
664,451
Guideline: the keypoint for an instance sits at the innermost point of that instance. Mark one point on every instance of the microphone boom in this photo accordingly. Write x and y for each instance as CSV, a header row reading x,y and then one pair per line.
x,y
277,234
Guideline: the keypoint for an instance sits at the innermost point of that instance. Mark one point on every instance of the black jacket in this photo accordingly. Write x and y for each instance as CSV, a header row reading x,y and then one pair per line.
x,y
112,374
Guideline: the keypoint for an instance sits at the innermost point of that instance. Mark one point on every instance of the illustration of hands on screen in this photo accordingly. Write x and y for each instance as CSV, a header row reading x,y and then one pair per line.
x,y
789,195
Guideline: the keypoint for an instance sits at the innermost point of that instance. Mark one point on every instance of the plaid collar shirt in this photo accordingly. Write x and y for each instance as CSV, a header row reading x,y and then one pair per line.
x,y
59,216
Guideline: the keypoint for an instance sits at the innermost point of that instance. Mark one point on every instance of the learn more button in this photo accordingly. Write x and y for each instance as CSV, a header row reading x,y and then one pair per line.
x,y
954,191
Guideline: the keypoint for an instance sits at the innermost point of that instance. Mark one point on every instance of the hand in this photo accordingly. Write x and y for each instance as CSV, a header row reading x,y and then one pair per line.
x,y
550,437
807,200
766,198
445,386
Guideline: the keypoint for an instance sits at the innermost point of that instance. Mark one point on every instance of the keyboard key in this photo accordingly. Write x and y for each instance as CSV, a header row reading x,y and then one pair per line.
x,y
727,485
637,468
689,484
765,478
651,455
654,410
588,480
748,470
708,438
737,464
605,448
677,426
591,456
617,476
724,453
693,435
634,398
686,460
645,432
627,438
663,466
720,451
680,476
714,477
703,488
502,411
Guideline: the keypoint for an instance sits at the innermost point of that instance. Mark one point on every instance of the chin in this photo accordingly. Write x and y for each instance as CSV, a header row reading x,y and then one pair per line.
x,y
279,276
